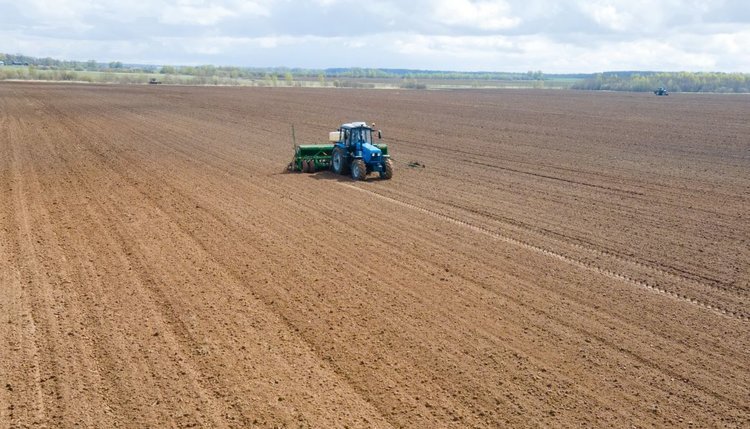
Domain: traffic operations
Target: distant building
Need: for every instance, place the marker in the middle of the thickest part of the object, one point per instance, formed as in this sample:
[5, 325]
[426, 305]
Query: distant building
[2, 63]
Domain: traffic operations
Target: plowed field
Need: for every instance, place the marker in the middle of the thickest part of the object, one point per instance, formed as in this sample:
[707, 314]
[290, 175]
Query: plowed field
[563, 259]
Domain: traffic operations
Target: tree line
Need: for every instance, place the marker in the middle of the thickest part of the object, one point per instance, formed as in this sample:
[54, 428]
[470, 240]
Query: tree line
[673, 81]
[262, 73]
[117, 71]
[352, 72]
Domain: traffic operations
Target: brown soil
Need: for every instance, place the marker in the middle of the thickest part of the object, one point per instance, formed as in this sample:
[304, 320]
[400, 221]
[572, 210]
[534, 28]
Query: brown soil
[564, 259]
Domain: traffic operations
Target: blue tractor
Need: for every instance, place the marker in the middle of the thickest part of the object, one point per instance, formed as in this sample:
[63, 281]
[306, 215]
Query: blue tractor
[355, 152]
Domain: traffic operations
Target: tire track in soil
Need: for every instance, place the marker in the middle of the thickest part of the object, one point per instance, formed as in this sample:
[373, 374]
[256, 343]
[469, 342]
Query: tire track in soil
[614, 346]
[730, 295]
[41, 322]
[655, 175]
[640, 187]
[93, 212]
[565, 240]
[132, 167]
[105, 159]
[659, 266]
[17, 391]
[654, 287]
[86, 185]
[602, 340]
[88, 384]
[343, 374]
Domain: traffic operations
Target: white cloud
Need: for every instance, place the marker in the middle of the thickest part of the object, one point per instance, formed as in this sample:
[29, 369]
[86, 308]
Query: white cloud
[485, 15]
[84, 13]
[65, 13]
[457, 46]
[218, 44]
[640, 16]
[608, 16]
[209, 13]
[199, 15]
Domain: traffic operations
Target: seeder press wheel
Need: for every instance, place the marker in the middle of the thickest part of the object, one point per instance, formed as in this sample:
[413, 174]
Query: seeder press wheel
[308, 166]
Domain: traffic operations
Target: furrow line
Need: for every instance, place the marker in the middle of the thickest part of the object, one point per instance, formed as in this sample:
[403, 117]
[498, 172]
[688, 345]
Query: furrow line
[653, 287]
[571, 241]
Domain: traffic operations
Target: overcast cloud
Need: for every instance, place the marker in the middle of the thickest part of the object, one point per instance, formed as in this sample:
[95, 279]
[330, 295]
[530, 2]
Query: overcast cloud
[497, 35]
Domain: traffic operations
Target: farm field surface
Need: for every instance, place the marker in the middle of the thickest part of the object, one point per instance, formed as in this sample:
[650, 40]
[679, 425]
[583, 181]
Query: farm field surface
[563, 259]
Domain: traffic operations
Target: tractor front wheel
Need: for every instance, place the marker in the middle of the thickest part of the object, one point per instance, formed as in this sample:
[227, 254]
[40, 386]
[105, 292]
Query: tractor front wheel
[387, 172]
[359, 169]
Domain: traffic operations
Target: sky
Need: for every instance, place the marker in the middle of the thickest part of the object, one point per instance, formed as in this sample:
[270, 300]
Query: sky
[575, 36]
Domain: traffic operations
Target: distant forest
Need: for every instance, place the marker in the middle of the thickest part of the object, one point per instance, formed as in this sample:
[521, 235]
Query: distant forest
[674, 81]
[261, 72]
[32, 68]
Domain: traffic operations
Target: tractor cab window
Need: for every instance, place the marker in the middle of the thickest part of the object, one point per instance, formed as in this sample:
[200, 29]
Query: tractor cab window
[361, 135]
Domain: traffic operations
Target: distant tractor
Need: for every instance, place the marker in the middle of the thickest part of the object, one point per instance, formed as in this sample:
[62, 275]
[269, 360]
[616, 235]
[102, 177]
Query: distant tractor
[351, 150]
[154, 81]
[661, 91]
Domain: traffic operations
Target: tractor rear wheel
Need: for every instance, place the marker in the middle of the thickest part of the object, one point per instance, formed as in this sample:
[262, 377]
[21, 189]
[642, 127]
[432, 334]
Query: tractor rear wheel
[338, 161]
[387, 172]
[359, 169]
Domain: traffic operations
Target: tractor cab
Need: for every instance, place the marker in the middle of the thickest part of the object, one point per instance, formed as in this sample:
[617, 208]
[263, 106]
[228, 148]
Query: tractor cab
[356, 136]
[357, 133]
[357, 139]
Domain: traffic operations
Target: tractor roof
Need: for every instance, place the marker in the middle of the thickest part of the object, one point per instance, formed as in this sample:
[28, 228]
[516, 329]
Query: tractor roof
[354, 125]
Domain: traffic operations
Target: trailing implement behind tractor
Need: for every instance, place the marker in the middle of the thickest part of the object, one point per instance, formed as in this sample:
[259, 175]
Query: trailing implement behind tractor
[310, 158]
[350, 150]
